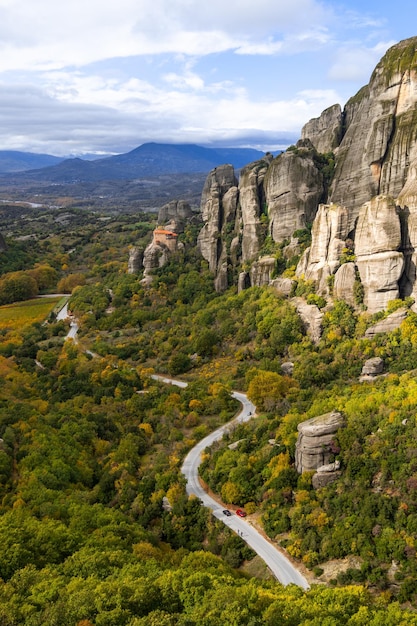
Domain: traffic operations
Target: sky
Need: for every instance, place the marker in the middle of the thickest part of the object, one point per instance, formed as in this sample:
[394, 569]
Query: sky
[105, 76]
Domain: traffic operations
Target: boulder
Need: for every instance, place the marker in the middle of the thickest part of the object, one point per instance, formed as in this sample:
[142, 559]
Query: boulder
[313, 448]
[321, 479]
[372, 367]
[283, 286]
[287, 368]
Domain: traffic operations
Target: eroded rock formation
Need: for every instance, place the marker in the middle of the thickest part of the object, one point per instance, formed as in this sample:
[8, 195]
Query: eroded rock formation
[373, 156]
[218, 208]
[253, 206]
[164, 243]
[313, 448]
[325, 132]
[178, 212]
[362, 200]
[377, 243]
[294, 186]
[135, 262]
[329, 234]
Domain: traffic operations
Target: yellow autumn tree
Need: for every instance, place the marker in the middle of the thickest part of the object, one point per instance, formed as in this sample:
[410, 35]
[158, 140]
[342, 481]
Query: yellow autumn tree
[268, 389]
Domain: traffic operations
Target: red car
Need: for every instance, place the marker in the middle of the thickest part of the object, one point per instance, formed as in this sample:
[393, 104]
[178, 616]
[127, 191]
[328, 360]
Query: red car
[241, 513]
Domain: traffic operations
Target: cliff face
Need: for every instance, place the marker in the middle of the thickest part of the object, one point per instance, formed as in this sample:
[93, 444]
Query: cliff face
[252, 205]
[377, 243]
[353, 175]
[325, 132]
[293, 186]
[373, 157]
[329, 233]
[274, 197]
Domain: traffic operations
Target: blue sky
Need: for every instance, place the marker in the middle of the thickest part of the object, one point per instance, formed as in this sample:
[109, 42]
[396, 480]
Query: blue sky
[103, 77]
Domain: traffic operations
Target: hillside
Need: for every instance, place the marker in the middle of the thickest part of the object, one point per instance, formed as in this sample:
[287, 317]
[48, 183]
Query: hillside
[293, 284]
[147, 177]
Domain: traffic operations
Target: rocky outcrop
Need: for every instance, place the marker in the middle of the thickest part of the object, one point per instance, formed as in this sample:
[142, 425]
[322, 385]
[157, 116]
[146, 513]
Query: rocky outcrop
[407, 210]
[373, 156]
[368, 204]
[325, 132]
[218, 208]
[328, 239]
[135, 262]
[262, 271]
[379, 261]
[154, 256]
[294, 186]
[344, 283]
[388, 324]
[372, 368]
[177, 211]
[326, 474]
[287, 368]
[314, 443]
[243, 281]
[253, 206]
[311, 317]
[157, 253]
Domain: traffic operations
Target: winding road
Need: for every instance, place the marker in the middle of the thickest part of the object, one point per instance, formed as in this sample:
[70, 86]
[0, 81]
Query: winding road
[280, 566]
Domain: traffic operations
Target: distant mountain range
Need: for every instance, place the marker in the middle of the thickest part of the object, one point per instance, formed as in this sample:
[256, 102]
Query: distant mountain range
[148, 160]
[14, 161]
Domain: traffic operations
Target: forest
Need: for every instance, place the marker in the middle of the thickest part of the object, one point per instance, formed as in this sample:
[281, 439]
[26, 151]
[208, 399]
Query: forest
[91, 445]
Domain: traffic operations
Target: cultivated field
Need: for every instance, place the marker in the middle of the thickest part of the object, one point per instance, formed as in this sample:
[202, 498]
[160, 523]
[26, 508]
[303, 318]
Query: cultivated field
[20, 314]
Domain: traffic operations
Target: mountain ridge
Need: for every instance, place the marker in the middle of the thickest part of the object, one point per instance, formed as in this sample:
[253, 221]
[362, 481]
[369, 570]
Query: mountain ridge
[147, 160]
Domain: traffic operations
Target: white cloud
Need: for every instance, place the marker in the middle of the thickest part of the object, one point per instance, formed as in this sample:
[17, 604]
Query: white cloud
[102, 75]
[47, 34]
[76, 113]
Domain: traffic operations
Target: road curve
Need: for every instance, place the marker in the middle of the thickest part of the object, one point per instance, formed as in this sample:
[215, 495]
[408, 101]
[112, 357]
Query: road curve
[280, 566]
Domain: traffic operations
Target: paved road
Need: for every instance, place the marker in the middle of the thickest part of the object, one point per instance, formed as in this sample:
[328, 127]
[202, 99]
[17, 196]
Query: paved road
[74, 327]
[280, 566]
[63, 313]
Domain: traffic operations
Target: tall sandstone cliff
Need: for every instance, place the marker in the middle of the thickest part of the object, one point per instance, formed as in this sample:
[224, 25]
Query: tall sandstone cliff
[368, 207]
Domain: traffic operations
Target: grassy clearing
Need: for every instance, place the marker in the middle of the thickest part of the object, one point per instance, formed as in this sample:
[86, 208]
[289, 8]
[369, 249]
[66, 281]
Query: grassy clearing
[20, 314]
